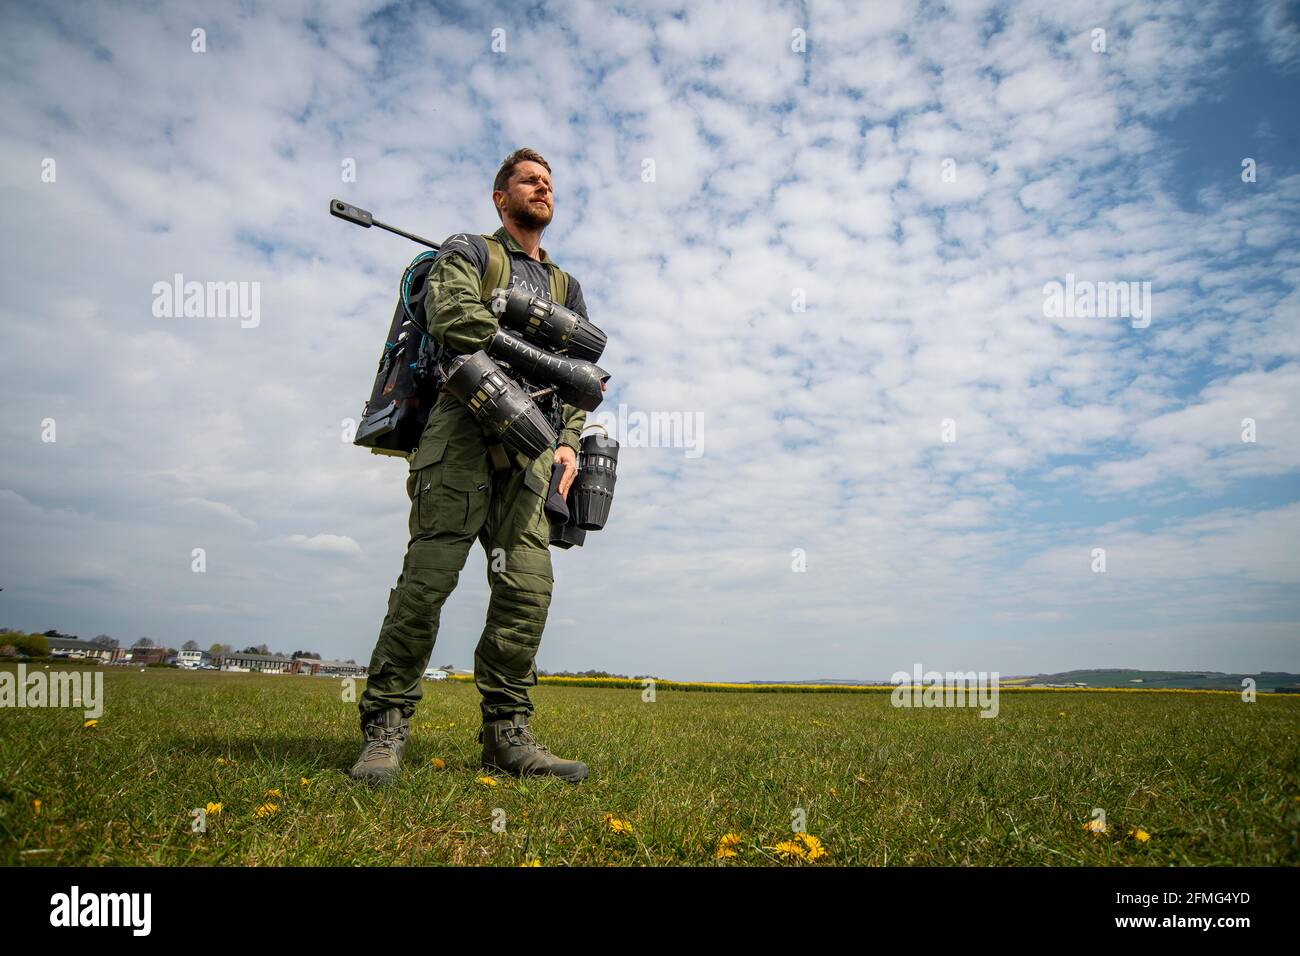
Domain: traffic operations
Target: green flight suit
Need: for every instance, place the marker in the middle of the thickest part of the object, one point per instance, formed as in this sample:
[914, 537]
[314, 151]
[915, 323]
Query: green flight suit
[457, 497]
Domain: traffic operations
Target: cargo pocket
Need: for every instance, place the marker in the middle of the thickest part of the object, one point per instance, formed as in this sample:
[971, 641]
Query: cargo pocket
[464, 500]
[531, 526]
[449, 501]
[535, 483]
[430, 451]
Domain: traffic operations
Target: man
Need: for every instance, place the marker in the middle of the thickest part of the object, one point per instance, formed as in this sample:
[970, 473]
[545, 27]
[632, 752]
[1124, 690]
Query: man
[460, 492]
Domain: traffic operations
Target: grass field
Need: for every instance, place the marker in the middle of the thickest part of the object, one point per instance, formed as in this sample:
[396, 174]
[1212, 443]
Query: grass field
[1211, 780]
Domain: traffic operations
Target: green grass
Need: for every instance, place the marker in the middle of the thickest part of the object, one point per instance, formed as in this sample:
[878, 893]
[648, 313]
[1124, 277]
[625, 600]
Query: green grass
[1211, 779]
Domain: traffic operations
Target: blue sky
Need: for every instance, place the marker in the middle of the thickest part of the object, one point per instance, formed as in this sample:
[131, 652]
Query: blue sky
[780, 174]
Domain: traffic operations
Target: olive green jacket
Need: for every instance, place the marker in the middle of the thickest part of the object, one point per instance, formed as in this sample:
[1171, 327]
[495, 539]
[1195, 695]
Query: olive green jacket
[460, 320]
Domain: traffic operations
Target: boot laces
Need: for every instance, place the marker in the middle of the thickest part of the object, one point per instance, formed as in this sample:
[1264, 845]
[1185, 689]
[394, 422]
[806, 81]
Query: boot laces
[527, 738]
[385, 743]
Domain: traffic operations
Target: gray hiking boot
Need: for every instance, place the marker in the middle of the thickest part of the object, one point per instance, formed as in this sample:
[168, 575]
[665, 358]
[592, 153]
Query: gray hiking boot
[509, 746]
[385, 734]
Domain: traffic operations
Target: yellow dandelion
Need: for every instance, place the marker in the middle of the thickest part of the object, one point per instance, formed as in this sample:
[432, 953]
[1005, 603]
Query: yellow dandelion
[274, 793]
[814, 846]
[727, 844]
[266, 809]
[834, 792]
[1095, 826]
[91, 723]
[533, 862]
[488, 781]
[859, 780]
[617, 825]
[222, 762]
[1061, 714]
[304, 782]
[213, 809]
[788, 849]
[1139, 834]
[438, 763]
[36, 806]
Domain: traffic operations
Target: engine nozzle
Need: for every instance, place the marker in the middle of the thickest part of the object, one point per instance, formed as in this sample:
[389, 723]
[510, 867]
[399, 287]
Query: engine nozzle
[502, 408]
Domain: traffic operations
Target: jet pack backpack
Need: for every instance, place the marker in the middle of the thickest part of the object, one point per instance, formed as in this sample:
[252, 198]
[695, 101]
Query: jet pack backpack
[407, 382]
[410, 373]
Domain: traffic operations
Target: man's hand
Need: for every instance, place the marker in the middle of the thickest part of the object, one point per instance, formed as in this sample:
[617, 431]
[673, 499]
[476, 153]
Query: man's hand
[564, 455]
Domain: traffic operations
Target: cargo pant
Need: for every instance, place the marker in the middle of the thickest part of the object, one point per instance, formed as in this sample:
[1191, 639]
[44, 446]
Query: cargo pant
[456, 497]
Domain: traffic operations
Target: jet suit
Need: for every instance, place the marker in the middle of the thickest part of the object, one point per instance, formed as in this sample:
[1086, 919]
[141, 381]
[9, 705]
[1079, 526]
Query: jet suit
[459, 493]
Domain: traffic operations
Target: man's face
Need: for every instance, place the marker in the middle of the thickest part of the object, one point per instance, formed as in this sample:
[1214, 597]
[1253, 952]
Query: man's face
[528, 197]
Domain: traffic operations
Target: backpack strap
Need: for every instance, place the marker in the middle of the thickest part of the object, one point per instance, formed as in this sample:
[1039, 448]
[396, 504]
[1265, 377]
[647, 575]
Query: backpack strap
[559, 284]
[497, 274]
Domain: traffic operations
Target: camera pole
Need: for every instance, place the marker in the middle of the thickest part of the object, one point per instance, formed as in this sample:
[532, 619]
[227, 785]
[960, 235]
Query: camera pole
[362, 218]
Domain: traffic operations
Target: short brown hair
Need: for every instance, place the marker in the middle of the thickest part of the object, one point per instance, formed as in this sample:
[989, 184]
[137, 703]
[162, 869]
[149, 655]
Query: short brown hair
[508, 165]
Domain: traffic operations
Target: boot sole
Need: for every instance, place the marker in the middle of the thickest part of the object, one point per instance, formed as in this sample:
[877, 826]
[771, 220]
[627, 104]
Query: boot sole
[577, 777]
[379, 779]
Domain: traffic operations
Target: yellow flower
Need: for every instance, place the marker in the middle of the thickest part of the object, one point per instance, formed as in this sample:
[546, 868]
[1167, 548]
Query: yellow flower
[834, 792]
[213, 809]
[438, 763]
[727, 846]
[1061, 714]
[36, 806]
[266, 809]
[859, 780]
[1139, 834]
[1095, 826]
[488, 781]
[533, 862]
[91, 723]
[222, 762]
[274, 793]
[790, 848]
[304, 782]
[814, 845]
[617, 825]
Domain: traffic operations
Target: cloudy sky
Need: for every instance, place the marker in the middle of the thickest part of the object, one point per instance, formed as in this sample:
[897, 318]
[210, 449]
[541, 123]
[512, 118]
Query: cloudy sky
[821, 233]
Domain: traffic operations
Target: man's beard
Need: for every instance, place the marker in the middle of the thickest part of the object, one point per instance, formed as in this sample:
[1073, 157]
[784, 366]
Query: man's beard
[526, 216]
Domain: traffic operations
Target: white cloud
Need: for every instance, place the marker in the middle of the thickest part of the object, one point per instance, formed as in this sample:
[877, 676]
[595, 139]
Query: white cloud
[320, 543]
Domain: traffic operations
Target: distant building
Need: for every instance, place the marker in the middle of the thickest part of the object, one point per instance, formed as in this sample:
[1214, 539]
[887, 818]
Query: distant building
[315, 668]
[435, 673]
[76, 650]
[193, 658]
[260, 663]
[151, 655]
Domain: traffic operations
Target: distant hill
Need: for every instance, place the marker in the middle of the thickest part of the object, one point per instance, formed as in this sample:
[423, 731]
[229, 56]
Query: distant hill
[1265, 681]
